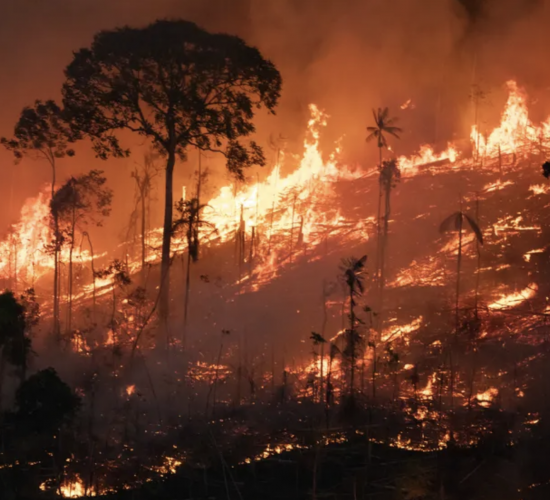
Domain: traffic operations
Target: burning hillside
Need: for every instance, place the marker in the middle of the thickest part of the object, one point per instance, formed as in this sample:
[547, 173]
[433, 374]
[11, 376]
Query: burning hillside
[454, 340]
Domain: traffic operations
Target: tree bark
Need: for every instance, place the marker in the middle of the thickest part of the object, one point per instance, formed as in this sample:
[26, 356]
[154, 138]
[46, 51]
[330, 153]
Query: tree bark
[56, 326]
[187, 291]
[70, 314]
[164, 292]
[143, 236]
[383, 248]
[378, 226]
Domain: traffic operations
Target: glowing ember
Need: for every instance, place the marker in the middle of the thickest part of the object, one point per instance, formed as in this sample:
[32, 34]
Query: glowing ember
[487, 397]
[496, 186]
[527, 256]
[74, 489]
[538, 189]
[401, 331]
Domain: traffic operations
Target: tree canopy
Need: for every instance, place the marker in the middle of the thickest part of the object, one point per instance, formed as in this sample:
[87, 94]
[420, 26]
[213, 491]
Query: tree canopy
[174, 83]
[41, 131]
[177, 85]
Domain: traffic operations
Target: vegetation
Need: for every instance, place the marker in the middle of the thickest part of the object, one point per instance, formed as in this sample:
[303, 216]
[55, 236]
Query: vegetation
[80, 201]
[43, 133]
[416, 400]
[178, 86]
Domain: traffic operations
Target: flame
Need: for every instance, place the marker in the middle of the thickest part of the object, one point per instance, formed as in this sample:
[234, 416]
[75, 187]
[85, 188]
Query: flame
[426, 155]
[401, 331]
[538, 189]
[74, 489]
[514, 130]
[130, 389]
[514, 299]
[487, 397]
[527, 256]
[496, 186]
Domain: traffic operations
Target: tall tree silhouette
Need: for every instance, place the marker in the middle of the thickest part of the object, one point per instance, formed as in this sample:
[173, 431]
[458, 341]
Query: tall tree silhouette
[389, 177]
[177, 85]
[42, 133]
[383, 126]
[455, 223]
[353, 273]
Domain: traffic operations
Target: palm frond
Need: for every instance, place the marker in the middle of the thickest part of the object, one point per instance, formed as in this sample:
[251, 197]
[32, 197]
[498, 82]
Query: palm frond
[451, 223]
[395, 131]
[475, 228]
[317, 338]
[373, 133]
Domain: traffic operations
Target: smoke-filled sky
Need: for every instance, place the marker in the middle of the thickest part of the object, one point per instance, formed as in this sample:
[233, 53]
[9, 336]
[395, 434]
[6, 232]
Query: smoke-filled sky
[347, 56]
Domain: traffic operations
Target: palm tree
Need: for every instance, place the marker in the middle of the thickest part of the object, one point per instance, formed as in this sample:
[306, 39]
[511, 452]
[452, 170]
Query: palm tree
[353, 271]
[383, 126]
[389, 176]
[455, 223]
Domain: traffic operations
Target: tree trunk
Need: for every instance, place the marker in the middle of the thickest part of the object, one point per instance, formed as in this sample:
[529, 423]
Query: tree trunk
[143, 236]
[93, 274]
[164, 292]
[458, 265]
[187, 291]
[70, 314]
[378, 228]
[457, 315]
[2, 376]
[352, 341]
[478, 270]
[383, 248]
[56, 326]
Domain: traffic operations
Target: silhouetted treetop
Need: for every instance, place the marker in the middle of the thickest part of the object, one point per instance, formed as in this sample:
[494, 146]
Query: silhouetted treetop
[174, 83]
[42, 130]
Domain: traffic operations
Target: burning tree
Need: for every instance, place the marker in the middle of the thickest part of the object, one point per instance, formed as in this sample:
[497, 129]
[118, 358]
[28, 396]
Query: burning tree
[43, 133]
[177, 85]
[78, 202]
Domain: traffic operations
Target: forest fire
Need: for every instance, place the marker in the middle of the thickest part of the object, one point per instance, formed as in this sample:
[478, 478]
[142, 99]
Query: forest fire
[297, 314]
